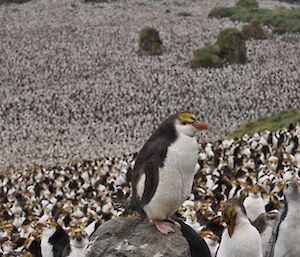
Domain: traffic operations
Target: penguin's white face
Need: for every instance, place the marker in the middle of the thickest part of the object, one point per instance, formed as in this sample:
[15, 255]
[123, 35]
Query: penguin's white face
[185, 123]
[78, 238]
[292, 190]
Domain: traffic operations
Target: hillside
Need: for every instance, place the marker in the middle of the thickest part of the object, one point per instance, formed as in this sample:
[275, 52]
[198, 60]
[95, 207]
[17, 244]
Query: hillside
[74, 86]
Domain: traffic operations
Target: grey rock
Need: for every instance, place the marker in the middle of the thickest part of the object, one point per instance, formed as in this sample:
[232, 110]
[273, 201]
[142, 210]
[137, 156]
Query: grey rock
[134, 237]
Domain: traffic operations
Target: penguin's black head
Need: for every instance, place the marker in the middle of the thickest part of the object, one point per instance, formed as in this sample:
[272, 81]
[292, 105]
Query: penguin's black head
[186, 123]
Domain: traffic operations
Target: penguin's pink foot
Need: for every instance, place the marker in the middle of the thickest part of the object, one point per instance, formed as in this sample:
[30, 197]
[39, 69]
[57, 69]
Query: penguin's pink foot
[163, 226]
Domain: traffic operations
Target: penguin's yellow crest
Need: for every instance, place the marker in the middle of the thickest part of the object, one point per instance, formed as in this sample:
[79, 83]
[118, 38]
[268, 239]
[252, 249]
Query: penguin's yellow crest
[186, 116]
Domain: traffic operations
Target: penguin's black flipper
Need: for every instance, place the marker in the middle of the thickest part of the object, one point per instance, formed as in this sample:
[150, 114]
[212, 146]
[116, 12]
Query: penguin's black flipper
[59, 240]
[148, 163]
[35, 248]
[260, 223]
[198, 246]
[149, 160]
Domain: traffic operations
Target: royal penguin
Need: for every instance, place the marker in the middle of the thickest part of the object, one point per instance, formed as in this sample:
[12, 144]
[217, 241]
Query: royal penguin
[286, 242]
[254, 203]
[240, 238]
[54, 239]
[77, 244]
[164, 169]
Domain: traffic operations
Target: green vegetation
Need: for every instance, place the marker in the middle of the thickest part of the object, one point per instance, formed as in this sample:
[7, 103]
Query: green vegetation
[276, 121]
[281, 19]
[184, 14]
[150, 42]
[221, 12]
[208, 56]
[248, 4]
[254, 30]
[230, 47]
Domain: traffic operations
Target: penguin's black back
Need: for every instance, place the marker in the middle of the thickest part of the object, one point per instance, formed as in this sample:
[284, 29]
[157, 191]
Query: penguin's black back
[150, 159]
[197, 244]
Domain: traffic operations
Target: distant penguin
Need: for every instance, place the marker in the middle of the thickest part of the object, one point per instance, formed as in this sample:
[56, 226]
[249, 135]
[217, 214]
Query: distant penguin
[54, 239]
[211, 240]
[77, 244]
[254, 204]
[240, 238]
[164, 170]
[288, 231]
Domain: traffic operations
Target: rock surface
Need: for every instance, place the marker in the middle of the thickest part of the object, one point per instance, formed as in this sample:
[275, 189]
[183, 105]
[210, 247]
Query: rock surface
[134, 237]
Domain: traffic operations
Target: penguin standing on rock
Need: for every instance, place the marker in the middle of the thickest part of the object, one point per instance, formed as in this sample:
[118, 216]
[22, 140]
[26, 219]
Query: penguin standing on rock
[164, 170]
[288, 230]
[240, 238]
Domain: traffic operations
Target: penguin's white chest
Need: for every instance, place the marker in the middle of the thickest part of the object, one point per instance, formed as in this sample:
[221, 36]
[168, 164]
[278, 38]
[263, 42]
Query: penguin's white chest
[254, 207]
[175, 178]
[245, 242]
[77, 252]
[46, 248]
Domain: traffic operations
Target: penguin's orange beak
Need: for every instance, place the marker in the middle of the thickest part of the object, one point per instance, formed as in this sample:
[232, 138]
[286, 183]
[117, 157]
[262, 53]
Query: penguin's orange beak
[230, 230]
[200, 125]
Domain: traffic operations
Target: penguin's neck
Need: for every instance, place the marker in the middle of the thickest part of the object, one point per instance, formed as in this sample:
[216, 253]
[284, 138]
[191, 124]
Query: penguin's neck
[186, 148]
[241, 219]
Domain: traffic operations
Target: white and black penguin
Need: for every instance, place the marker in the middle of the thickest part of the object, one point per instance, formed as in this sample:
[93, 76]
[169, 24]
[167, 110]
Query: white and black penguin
[54, 239]
[77, 244]
[254, 204]
[240, 238]
[286, 241]
[164, 169]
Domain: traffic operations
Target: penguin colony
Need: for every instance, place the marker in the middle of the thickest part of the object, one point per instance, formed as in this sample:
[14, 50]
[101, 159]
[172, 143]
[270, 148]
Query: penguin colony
[46, 209]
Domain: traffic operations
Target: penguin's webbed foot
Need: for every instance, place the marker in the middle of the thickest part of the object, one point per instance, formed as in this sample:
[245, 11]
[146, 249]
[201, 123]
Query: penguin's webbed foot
[163, 226]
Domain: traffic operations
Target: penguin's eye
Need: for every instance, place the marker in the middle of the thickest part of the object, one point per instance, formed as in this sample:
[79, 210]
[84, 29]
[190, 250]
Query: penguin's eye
[183, 123]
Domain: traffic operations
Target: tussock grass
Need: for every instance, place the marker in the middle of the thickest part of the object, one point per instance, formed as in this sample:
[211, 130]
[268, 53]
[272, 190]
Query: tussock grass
[281, 20]
[150, 42]
[230, 48]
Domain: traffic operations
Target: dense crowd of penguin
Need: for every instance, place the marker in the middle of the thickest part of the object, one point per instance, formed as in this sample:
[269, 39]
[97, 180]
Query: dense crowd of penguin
[52, 211]
[76, 86]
